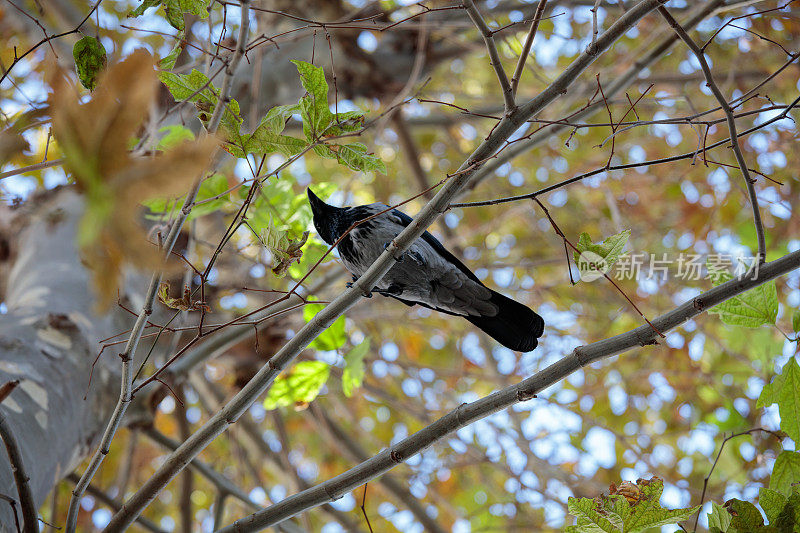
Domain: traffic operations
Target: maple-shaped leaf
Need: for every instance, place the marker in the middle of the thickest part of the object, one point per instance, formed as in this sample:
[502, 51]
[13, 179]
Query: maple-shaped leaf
[786, 472]
[628, 509]
[752, 308]
[94, 139]
[785, 391]
[283, 249]
[594, 260]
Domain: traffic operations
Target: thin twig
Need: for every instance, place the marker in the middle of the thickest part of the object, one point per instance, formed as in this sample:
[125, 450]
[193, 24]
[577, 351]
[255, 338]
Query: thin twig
[716, 460]
[47, 40]
[630, 76]
[226, 416]
[526, 48]
[494, 55]
[31, 168]
[626, 166]
[605, 275]
[525, 390]
[364, 507]
[30, 521]
[726, 108]
[138, 328]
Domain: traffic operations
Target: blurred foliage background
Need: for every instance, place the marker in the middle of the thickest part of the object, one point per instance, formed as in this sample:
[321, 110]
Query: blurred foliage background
[657, 411]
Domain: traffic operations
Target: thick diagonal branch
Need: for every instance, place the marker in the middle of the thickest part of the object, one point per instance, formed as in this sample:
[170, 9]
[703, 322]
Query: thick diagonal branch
[126, 386]
[436, 206]
[525, 390]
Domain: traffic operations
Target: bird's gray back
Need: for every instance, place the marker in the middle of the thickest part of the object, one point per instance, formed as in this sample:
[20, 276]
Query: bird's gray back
[422, 275]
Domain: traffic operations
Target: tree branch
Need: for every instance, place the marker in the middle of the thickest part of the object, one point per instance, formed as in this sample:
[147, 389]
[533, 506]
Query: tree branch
[354, 452]
[526, 48]
[126, 386]
[726, 108]
[30, 521]
[623, 81]
[32, 168]
[105, 499]
[525, 390]
[262, 380]
[671, 159]
[494, 56]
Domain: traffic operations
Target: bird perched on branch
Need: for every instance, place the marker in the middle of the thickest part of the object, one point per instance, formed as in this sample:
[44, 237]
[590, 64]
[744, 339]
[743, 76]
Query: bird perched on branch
[426, 274]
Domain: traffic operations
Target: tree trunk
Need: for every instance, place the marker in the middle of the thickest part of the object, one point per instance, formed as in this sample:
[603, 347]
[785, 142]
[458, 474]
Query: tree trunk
[48, 341]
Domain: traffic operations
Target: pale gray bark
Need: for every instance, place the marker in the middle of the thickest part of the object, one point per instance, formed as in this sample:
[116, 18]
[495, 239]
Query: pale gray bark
[48, 340]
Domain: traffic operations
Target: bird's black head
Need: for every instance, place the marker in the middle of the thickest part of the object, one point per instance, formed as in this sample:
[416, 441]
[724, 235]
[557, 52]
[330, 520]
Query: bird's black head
[327, 218]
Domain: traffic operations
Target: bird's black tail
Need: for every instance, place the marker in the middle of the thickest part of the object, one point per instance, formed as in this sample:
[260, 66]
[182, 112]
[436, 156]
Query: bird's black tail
[515, 326]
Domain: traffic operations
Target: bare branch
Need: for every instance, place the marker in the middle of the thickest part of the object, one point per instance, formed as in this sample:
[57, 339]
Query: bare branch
[31, 168]
[726, 108]
[30, 521]
[263, 379]
[671, 159]
[138, 328]
[627, 78]
[525, 390]
[494, 55]
[526, 48]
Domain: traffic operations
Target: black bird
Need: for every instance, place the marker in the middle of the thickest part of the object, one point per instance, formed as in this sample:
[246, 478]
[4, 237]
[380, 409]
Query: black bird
[427, 274]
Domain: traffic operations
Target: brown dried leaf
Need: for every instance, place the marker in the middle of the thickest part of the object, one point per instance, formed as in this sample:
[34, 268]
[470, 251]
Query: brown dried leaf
[94, 138]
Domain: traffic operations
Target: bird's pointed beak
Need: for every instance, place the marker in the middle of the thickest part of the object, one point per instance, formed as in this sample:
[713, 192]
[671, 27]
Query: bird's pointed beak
[317, 205]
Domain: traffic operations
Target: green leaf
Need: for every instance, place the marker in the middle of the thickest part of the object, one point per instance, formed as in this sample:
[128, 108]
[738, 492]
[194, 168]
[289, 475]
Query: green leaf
[299, 386]
[796, 320]
[592, 518]
[174, 10]
[616, 514]
[168, 61]
[355, 156]
[786, 472]
[354, 368]
[332, 338]
[719, 518]
[789, 517]
[773, 503]
[284, 250]
[214, 186]
[277, 116]
[144, 6]
[176, 134]
[785, 391]
[314, 105]
[745, 517]
[348, 122]
[267, 138]
[262, 141]
[196, 87]
[90, 59]
[751, 309]
[594, 260]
